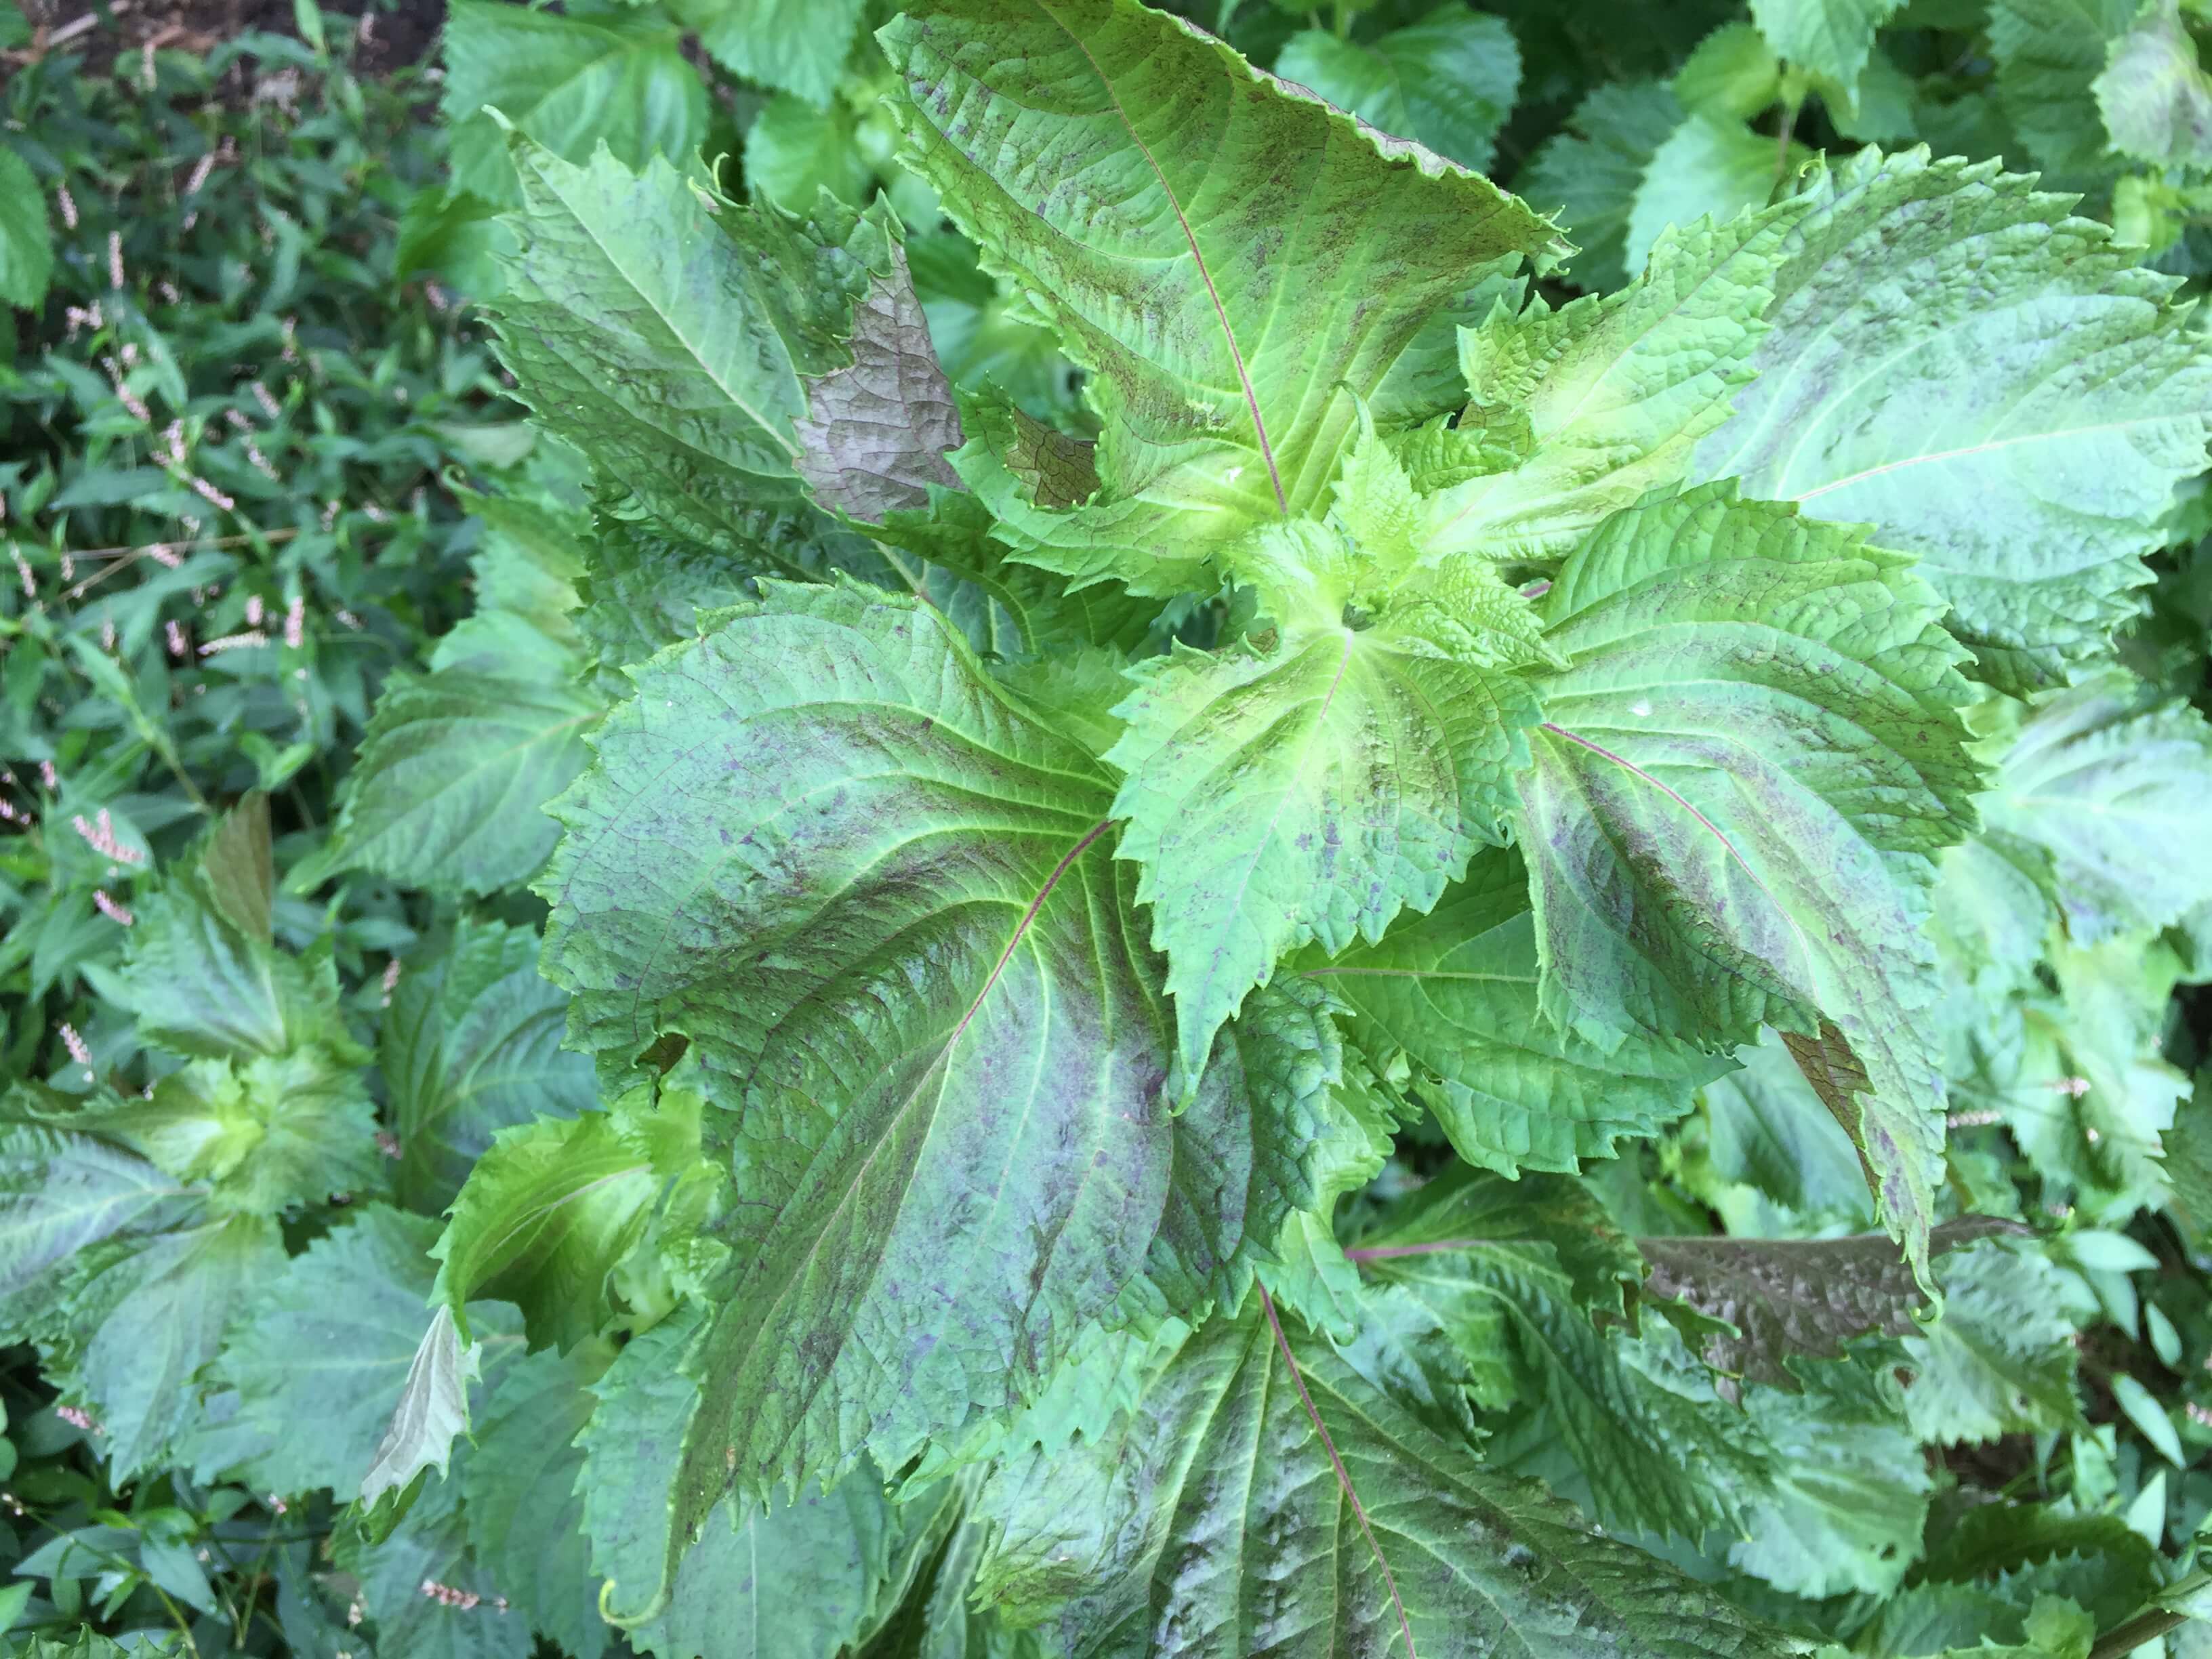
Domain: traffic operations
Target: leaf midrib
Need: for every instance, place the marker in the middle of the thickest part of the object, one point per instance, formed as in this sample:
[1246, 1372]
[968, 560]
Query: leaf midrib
[1197, 257]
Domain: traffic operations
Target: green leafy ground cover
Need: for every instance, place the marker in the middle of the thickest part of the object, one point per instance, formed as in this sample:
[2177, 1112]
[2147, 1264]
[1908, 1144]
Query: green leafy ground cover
[851, 830]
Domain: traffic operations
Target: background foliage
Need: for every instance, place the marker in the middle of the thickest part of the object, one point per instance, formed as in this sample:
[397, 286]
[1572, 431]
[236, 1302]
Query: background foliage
[307, 623]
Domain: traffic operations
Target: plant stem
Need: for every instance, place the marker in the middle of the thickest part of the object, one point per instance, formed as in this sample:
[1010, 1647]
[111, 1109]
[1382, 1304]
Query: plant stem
[2151, 1623]
[2146, 1627]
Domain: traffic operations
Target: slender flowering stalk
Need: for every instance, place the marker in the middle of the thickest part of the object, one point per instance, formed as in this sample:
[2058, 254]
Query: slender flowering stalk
[211, 493]
[100, 835]
[78, 1049]
[390, 980]
[67, 203]
[177, 646]
[108, 907]
[115, 258]
[48, 777]
[465, 1601]
[295, 622]
[233, 641]
[253, 609]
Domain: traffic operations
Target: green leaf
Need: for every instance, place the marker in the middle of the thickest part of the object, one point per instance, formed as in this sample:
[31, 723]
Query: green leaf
[27, 253]
[2155, 95]
[633, 1448]
[523, 1513]
[1846, 1496]
[1977, 1621]
[551, 1207]
[447, 791]
[1732, 75]
[2149, 1418]
[1456, 993]
[167, 1309]
[673, 337]
[2076, 1073]
[871, 890]
[526, 569]
[63, 1193]
[794, 149]
[472, 1045]
[1767, 1135]
[1708, 168]
[434, 1400]
[570, 83]
[647, 589]
[1229, 378]
[1594, 170]
[2001, 1360]
[1791, 1297]
[1521, 1271]
[982, 338]
[202, 973]
[796, 1576]
[426, 1594]
[268, 1136]
[1607, 397]
[1829, 37]
[324, 1349]
[1305, 794]
[797, 46]
[1747, 762]
[1447, 82]
[2112, 786]
[1321, 1508]
[1352, 1145]
[1993, 908]
[2049, 54]
[2029, 469]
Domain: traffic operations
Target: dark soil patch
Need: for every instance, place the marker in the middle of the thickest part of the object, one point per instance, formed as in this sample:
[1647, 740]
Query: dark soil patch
[398, 33]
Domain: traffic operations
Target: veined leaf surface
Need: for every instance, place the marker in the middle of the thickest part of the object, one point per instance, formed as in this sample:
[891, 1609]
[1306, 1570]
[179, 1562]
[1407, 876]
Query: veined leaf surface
[878, 897]
[1743, 773]
[1192, 230]
[1954, 360]
[1330, 1522]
